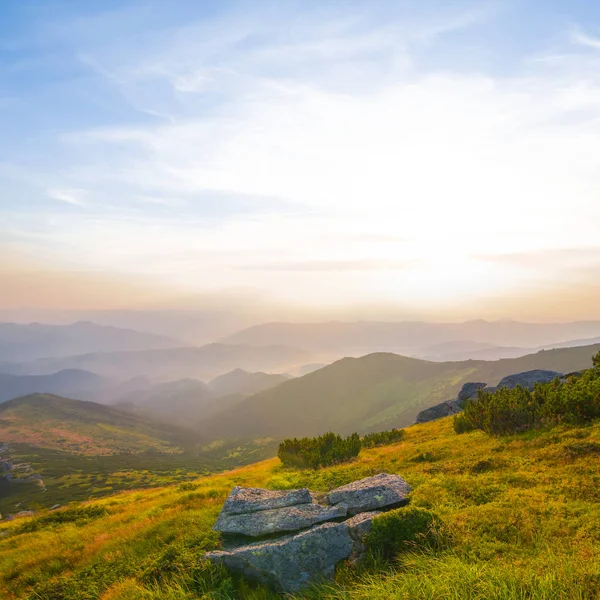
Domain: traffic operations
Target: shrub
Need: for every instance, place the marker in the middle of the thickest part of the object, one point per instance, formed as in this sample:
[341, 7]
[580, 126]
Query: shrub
[331, 448]
[403, 529]
[462, 424]
[507, 411]
[327, 449]
[382, 438]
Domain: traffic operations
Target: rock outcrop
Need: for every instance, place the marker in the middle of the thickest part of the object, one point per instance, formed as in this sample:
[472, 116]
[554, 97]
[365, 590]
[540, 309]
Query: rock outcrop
[310, 549]
[528, 379]
[277, 520]
[370, 493]
[448, 407]
[247, 500]
[292, 562]
[469, 391]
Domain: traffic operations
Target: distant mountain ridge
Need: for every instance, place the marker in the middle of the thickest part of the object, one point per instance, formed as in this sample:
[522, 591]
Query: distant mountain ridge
[378, 391]
[74, 383]
[20, 342]
[203, 362]
[416, 338]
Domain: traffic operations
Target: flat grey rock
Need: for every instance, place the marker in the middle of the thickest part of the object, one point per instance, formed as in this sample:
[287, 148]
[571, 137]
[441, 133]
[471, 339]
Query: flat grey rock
[528, 379]
[248, 500]
[289, 518]
[469, 390]
[371, 493]
[292, 562]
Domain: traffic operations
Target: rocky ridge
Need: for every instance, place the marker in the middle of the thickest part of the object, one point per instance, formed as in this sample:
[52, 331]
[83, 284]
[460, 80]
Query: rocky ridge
[318, 534]
[469, 390]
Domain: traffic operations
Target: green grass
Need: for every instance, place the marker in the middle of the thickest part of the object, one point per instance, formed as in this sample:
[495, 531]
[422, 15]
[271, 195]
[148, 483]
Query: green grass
[519, 517]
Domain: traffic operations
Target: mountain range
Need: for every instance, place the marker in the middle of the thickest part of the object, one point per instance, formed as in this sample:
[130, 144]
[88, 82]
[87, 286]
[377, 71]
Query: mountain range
[375, 392]
[204, 362]
[27, 342]
[434, 341]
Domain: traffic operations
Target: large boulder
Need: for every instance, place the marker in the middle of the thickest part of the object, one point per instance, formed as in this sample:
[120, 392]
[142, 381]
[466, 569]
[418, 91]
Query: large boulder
[266, 522]
[469, 390]
[528, 379]
[247, 500]
[448, 407]
[292, 562]
[371, 493]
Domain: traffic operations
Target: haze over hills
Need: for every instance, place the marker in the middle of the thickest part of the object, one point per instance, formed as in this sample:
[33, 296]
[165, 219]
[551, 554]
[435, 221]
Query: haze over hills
[72, 383]
[416, 338]
[204, 362]
[26, 342]
[378, 391]
[75, 426]
[189, 401]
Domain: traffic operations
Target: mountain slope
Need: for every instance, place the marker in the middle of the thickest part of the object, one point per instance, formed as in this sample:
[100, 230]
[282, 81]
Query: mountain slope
[239, 381]
[520, 518]
[80, 427]
[73, 383]
[20, 342]
[203, 362]
[375, 392]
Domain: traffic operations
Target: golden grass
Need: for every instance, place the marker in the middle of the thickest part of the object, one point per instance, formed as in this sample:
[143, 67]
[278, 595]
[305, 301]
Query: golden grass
[521, 514]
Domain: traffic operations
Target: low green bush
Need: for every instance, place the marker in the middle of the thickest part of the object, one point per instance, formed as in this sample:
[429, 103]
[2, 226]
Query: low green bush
[382, 438]
[403, 529]
[331, 448]
[327, 449]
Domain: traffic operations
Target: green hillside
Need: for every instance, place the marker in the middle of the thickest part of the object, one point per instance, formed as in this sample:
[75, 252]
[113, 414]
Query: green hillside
[375, 392]
[64, 450]
[56, 423]
[520, 520]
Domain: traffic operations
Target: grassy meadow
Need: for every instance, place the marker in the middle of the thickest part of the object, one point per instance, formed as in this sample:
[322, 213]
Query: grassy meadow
[520, 519]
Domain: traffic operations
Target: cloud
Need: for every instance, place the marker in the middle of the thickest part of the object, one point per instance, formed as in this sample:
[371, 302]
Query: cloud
[326, 157]
[583, 39]
[76, 197]
[333, 266]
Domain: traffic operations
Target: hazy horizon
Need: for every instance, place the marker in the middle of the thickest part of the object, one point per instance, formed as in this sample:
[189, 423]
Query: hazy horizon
[302, 161]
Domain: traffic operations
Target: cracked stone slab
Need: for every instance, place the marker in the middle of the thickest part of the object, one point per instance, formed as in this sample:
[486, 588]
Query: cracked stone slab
[371, 493]
[248, 500]
[292, 562]
[289, 518]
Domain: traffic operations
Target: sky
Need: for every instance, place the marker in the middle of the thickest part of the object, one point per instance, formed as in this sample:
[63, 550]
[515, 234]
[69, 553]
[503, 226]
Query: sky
[401, 159]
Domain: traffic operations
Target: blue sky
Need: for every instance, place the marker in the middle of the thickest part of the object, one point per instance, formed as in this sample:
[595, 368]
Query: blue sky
[437, 157]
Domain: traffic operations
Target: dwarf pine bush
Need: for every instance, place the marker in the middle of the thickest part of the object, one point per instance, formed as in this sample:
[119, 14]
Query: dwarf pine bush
[327, 449]
[382, 438]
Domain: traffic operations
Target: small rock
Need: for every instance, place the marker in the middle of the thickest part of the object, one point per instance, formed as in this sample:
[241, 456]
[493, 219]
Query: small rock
[371, 493]
[248, 500]
[289, 518]
[470, 389]
[292, 562]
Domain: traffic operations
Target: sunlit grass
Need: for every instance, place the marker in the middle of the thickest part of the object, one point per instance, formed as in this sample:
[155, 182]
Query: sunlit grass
[521, 513]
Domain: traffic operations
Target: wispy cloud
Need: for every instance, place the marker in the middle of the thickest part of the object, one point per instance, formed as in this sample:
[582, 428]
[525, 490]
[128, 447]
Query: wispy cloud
[76, 197]
[319, 151]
